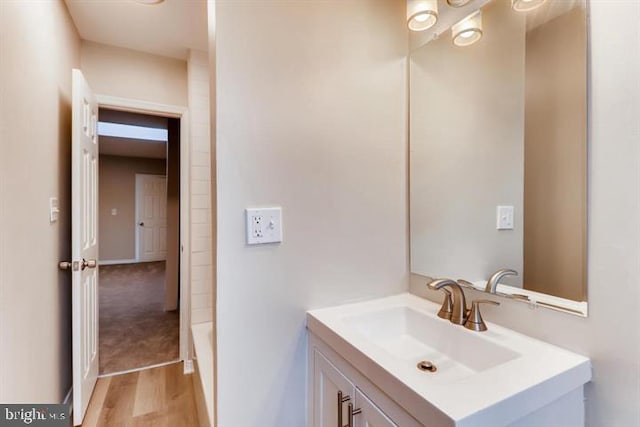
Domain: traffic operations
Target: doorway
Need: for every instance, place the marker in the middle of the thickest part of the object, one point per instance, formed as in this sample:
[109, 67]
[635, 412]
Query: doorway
[139, 229]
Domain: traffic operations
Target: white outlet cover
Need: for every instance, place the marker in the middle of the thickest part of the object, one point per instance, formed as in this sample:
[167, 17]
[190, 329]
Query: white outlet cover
[264, 225]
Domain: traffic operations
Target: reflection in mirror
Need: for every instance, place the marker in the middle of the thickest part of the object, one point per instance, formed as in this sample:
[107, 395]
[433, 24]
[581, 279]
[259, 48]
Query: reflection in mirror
[498, 151]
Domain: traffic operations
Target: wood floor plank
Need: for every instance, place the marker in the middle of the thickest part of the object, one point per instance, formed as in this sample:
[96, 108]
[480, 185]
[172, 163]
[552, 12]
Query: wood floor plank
[97, 402]
[150, 391]
[158, 397]
[118, 404]
[181, 402]
[154, 419]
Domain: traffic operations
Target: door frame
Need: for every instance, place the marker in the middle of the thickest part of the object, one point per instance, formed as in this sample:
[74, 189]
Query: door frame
[137, 208]
[182, 113]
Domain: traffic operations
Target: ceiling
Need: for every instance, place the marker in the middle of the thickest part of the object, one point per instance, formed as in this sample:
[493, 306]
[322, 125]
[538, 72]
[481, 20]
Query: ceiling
[129, 147]
[169, 28]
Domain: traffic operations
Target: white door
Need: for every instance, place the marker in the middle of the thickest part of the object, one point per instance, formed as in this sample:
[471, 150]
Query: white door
[369, 415]
[329, 383]
[84, 244]
[151, 217]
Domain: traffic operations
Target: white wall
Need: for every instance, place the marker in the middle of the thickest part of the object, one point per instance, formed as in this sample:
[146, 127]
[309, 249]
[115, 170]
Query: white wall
[311, 116]
[201, 256]
[610, 335]
[467, 150]
[38, 48]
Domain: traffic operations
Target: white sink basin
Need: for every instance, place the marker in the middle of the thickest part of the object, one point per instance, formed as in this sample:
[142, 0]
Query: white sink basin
[482, 378]
[412, 336]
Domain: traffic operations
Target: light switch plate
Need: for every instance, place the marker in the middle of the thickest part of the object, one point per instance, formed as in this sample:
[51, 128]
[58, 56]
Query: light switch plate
[264, 225]
[54, 210]
[504, 218]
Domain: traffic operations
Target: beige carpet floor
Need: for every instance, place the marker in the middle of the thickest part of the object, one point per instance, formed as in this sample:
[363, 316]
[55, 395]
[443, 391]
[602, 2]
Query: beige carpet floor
[135, 331]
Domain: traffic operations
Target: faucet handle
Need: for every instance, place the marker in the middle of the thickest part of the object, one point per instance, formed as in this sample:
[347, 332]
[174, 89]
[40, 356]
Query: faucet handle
[447, 305]
[474, 321]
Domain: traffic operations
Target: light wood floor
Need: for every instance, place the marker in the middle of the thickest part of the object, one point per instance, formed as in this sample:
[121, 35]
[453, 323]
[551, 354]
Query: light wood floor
[158, 397]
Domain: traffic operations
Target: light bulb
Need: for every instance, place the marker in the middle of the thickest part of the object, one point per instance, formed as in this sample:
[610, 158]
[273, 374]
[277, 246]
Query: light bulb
[421, 14]
[468, 31]
[457, 3]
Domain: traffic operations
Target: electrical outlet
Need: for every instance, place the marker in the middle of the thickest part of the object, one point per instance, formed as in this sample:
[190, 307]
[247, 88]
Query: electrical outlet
[256, 230]
[264, 225]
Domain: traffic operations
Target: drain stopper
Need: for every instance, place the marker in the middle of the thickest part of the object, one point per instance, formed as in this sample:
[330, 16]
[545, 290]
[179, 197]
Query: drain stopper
[427, 366]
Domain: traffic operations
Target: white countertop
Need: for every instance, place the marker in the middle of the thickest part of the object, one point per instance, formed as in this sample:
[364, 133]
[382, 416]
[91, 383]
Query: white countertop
[530, 375]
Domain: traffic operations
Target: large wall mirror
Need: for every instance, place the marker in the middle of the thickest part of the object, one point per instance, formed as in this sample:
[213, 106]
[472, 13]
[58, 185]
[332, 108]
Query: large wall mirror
[498, 151]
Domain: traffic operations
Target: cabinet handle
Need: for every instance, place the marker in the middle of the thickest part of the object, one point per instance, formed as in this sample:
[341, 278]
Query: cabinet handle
[341, 400]
[352, 413]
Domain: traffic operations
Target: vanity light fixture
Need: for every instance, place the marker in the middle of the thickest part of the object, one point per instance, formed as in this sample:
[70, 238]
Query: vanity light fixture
[421, 14]
[468, 31]
[526, 5]
[457, 3]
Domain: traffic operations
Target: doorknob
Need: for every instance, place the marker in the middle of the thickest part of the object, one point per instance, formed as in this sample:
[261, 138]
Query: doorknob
[141, 224]
[92, 263]
[77, 265]
[65, 265]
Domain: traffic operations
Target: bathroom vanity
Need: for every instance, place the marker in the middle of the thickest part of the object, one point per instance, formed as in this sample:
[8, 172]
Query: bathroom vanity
[394, 362]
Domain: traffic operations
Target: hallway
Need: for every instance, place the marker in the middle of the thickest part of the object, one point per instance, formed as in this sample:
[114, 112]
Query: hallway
[135, 331]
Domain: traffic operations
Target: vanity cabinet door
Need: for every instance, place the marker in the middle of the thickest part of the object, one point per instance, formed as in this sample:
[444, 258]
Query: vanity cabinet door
[370, 415]
[328, 382]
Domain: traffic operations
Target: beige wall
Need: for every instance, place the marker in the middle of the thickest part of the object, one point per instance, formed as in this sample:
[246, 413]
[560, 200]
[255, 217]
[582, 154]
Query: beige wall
[610, 335]
[38, 48]
[555, 185]
[130, 74]
[311, 116]
[117, 188]
[467, 148]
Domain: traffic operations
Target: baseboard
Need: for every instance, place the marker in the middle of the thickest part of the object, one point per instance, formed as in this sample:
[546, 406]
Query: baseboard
[188, 367]
[117, 261]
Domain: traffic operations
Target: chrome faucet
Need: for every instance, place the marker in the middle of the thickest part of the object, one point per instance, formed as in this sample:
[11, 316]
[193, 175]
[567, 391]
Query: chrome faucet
[495, 278]
[459, 310]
